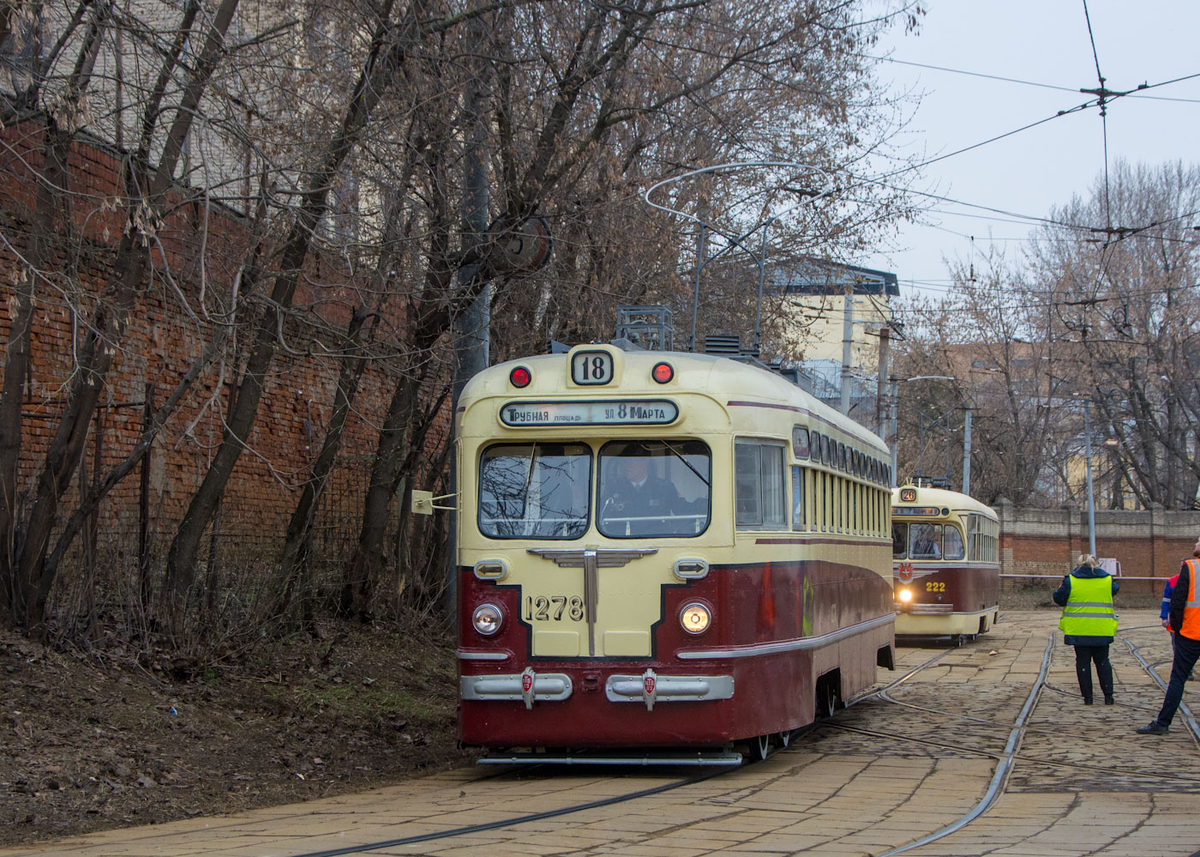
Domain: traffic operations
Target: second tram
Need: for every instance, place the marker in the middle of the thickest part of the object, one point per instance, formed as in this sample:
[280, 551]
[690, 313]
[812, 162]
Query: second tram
[946, 564]
[662, 550]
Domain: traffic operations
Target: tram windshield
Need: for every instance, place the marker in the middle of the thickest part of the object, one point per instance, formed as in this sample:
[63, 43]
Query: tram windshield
[535, 490]
[653, 488]
[926, 541]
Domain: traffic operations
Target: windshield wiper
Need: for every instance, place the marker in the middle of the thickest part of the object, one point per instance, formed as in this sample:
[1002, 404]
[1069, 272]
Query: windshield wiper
[676, 453]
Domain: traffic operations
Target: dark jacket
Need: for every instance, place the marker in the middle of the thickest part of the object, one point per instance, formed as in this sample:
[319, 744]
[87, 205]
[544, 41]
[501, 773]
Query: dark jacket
[1179, 598]
[1063, 593]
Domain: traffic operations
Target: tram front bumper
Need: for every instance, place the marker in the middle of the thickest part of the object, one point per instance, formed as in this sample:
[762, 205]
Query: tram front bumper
[923, 609]
[648, 688]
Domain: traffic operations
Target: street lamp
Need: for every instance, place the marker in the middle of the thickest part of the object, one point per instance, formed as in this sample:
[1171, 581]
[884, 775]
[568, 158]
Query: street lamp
[1112, 445]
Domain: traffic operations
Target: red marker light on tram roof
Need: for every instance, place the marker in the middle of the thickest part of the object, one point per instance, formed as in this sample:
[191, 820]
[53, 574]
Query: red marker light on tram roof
[520, 377]
[662, 372]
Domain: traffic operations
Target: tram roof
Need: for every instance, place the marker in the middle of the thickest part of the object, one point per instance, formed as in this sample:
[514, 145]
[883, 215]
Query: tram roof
[943, 497]
[724, 379]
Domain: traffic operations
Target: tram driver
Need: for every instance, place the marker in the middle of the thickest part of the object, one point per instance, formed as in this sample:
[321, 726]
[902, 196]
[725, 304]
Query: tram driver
[925, 542]
[639, 502]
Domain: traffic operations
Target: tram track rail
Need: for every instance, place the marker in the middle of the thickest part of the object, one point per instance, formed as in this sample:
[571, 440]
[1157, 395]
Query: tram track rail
[1184, 712]
[1009, 756]
[989, 731]
[465, 830]
[1004, 766]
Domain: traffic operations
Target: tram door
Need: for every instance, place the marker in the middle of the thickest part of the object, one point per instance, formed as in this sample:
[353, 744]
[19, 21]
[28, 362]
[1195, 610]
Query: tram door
[584, 596]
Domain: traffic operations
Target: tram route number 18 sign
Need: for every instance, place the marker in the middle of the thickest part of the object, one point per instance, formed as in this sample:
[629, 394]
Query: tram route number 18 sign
[625, 412]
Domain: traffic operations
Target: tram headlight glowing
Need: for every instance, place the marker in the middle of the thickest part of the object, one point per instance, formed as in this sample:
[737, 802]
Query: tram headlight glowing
[695, 618]
[905, 595]
[487, 619]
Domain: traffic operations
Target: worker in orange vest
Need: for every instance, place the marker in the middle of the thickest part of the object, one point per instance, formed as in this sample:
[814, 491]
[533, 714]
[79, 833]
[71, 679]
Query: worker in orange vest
[1184, 622]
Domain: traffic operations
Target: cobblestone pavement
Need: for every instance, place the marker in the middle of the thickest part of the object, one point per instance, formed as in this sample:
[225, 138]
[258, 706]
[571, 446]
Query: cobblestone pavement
[883, 774]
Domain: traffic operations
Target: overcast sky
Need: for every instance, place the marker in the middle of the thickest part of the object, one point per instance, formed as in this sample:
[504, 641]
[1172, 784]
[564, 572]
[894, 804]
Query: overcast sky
[1043, 52]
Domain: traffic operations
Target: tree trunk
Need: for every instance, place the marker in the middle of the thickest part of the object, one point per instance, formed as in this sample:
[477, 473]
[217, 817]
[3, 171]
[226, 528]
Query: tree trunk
[379, 71]
[32, 578]
[294, 564]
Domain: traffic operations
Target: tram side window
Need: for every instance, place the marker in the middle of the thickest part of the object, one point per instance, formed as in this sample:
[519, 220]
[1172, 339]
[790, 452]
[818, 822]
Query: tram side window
[799, 519]
[535, 490]
[758, 477]
[821, 515]
[983, 538]
[653, 488]
[899, 541]
[952, 543]
[800, 442]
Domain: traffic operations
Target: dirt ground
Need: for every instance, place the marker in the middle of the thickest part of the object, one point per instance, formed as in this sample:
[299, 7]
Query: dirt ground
[94, 742]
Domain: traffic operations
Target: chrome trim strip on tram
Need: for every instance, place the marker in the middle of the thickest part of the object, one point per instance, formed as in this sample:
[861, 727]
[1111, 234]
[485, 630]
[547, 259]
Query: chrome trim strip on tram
[907, 609]
[796, 645]
[464, 655]
[527, 686]
[649, 688]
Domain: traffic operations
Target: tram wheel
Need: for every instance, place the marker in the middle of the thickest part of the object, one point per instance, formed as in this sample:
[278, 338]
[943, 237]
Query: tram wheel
[829, 698]
[784, 738]
[760, 747]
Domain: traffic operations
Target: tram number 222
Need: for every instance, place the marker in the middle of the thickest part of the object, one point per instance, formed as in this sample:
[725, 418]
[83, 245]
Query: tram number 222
[935, 586]
[553, 608]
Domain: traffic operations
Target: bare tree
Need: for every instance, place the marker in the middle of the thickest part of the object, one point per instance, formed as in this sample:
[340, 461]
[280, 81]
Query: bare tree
[148, 191]
[1123, 270]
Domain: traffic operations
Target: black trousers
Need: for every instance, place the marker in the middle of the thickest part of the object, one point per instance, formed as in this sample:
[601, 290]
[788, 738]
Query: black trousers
[1084, 656]
[1187, 652]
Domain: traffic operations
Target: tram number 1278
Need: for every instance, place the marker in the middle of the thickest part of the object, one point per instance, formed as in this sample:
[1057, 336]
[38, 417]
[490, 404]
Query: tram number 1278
[553, 608]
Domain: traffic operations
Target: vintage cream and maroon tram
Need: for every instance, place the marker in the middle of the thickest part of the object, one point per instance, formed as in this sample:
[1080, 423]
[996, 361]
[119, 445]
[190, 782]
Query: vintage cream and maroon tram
[945, 555]
[748, 589]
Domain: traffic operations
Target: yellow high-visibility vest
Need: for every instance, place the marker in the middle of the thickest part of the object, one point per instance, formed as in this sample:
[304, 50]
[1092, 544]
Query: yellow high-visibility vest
[1089, 611]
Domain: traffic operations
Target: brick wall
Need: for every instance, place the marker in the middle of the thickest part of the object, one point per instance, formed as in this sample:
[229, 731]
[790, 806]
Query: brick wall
[195, 246]
[1048, 541]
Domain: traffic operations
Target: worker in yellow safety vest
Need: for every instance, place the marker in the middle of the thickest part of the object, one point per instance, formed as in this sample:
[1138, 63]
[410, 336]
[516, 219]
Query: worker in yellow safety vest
[1089, 623]
[1183, 618]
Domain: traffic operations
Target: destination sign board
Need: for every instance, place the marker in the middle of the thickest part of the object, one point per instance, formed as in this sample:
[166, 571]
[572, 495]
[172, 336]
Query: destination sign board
[922, 511]
[654, 412]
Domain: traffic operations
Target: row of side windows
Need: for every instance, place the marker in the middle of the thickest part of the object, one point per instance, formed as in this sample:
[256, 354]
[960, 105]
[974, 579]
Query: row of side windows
[821, 502]
[823, 449]
[983, 538]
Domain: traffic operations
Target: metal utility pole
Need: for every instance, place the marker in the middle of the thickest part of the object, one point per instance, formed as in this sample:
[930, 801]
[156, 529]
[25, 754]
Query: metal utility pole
[470, 330]
[966, 484]
[847, 345]
[1087, 440]
[891, 436]
[885, 354]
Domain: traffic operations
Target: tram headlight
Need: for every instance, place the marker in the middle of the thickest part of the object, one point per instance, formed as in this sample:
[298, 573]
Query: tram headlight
[695, 618]
[905, 595]
[487, 619]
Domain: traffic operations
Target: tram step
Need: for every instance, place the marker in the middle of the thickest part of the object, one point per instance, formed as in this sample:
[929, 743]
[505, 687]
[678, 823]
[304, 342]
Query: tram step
[714, 757]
